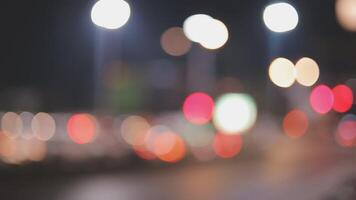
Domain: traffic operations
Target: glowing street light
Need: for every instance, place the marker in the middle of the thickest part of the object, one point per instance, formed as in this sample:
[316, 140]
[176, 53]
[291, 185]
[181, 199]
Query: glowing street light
[110, 14]
[209, 32]
[195, 25]
[280, 17]
[216, 35]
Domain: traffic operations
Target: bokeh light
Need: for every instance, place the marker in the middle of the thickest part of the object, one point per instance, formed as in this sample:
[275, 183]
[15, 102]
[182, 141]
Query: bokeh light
[19, 150]
[321, 99]
[11, 124]
[343, 98]
[134, 130]
[12, 150]
[215, 36]
[163, 143]
[346, 14]
[82, 128]
[295, 123]
[209, 32]
[346, 131]
[235, 113]
[110, 14]
[176, 152]
[7, 147]
[227, 146]
[155, 135]
[194, 135]
[43, 126]
[195, 26]
[142, 152]
[174, 42]
[282, 72]
[280, 17]
[307, 71]
[198, 108]
[35, 150]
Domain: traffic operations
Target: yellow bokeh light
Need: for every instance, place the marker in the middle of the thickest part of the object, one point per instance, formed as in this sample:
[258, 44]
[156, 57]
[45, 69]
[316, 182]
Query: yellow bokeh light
[282, 72]
[346, 14]
[307, 71]
[174, 42]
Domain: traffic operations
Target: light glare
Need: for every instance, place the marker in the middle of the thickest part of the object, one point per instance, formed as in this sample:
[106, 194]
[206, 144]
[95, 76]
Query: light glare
[215, 36]
[209, 32]
[235, 113]
[280, 17]
[195, 26]
[110, 14]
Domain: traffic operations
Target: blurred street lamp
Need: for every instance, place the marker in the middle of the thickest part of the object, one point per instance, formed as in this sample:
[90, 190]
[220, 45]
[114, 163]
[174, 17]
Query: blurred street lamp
[110, 14]
[209, 32]
[280, 17]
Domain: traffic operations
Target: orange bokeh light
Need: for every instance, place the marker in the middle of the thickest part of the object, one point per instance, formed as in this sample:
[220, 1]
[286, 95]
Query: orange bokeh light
[142, 152]
[295, 123]
[227, 146]
[176, 152]
[81, 128]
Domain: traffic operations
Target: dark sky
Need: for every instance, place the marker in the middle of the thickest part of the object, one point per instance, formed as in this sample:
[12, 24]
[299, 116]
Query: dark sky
[50, 47]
